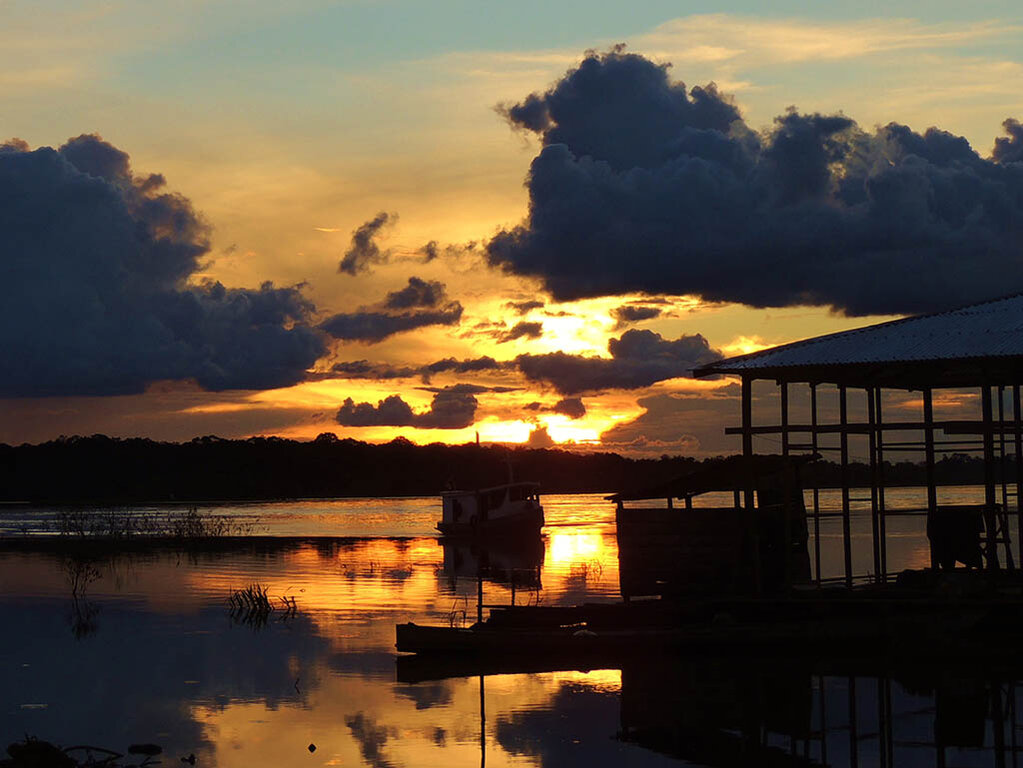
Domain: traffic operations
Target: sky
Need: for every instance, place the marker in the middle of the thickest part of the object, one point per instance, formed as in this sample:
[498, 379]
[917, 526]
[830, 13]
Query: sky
[527, 221]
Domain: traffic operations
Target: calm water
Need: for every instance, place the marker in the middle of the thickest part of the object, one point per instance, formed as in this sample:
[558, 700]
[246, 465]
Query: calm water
[142, 647]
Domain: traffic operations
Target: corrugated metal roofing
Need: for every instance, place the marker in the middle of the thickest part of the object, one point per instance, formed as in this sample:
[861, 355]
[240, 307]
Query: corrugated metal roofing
[992, 329]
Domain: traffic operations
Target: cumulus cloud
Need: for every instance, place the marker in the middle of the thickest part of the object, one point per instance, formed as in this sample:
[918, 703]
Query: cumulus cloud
[418, 293]
[95, 298]
[470, 365]
[451, 409]
[471, 389]
[373, 327]
[429, 252]
[632, 313]
[522, 307]
[364, 251]
[539, 437]
[644, 185]
[521, 330]
[638, 359]
[363, 369]
[419, 304]
[1010, 149]
[573, 407]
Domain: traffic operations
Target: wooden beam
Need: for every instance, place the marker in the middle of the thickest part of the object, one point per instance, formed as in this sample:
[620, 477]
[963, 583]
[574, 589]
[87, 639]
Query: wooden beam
[843, 410]
[882, 523]
[749, 503]
[786, 488]
[875, 527]
[949, 427]
[1017, 423]
[990, 519]
[816, 489]
[932, 492]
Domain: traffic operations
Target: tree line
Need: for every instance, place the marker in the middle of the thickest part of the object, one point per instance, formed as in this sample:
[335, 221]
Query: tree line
[104, 470]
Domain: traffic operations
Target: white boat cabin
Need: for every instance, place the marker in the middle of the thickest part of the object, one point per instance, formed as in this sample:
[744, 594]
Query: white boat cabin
[471, 507]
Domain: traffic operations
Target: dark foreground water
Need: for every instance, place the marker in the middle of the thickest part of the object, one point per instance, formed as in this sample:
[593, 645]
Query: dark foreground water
[141, 646]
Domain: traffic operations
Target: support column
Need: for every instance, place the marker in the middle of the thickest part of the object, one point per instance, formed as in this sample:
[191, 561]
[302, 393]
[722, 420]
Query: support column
[748, 499]
[816, 489]
[990, 519]
[843, 410]
[1017, 423]
[875, 528]
[786, 486]
[882, 523]
[932, 491]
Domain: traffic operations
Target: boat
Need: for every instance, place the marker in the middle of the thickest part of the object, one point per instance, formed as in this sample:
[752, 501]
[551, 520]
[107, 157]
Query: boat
[503, 511]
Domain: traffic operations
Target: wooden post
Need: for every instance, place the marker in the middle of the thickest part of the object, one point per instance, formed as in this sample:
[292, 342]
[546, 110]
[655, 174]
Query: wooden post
[854, 732]
[816, 489]
[479, 597]
[932, 491]
[786, 486]
[882, 531]
[749, 502]
[843, 411]
[1003, 482]
[1017, 423]
[875, 527]
[989, 480]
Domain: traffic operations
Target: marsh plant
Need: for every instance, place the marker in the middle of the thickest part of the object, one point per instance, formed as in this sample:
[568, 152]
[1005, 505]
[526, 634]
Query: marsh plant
[254, 606]
[191, 525]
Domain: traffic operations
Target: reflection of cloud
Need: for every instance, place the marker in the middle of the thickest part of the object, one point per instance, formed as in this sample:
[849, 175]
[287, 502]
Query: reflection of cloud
[371, 738]
[426, 695]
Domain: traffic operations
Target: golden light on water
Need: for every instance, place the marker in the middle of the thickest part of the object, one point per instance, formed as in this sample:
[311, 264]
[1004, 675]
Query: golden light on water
[565, 547]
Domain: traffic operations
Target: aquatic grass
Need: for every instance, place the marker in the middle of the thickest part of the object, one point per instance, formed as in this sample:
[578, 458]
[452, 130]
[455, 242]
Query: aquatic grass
[254, 598]
[253, 606]
[118, 524]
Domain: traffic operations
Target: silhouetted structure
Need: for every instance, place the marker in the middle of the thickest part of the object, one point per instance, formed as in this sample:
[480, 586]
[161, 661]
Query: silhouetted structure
[977, 347]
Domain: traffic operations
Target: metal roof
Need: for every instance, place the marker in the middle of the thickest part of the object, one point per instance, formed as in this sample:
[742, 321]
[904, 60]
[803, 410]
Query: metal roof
[977, 344]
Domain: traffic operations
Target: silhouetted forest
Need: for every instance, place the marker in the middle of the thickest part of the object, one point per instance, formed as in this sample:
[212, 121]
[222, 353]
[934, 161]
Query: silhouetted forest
[100, 469]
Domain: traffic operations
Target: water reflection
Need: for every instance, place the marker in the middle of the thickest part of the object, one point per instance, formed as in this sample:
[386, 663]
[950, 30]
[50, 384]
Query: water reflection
[153, 655]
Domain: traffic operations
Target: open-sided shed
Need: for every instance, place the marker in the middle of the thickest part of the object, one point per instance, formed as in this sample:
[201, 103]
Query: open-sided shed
[977, 347]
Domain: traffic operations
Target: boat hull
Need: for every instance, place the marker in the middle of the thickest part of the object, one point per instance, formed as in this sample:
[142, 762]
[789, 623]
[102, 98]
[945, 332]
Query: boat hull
[525, 524]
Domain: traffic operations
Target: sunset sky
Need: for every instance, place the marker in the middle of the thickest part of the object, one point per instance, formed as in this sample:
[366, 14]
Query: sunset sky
[527, 220]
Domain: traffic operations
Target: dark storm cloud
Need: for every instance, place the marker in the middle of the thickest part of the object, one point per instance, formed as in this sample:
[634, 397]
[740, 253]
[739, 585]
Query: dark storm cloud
[94, 298]
[372, 327]
[631, 313]
[470, 389]
[429, 252]
[419, 304]
[1010, 150]
[418, 293]
[364, 251]
[450, 409]
[522, 307]
[644, 186]
[638, 359]
[363, 369]
[572, 407]
[471, 365]
[521, 330]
